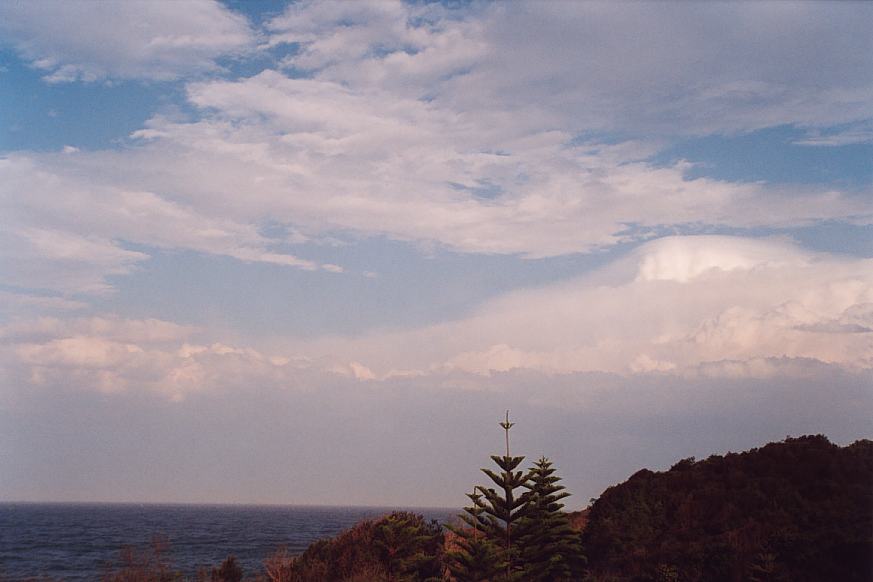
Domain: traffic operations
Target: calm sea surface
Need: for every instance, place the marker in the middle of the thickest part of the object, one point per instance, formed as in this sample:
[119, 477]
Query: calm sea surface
[77, 541]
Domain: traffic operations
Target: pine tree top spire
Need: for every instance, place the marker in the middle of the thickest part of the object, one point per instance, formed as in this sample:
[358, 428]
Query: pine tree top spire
[506, 425]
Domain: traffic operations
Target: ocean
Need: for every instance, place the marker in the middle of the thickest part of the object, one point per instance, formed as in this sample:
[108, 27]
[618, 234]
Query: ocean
[77, 542]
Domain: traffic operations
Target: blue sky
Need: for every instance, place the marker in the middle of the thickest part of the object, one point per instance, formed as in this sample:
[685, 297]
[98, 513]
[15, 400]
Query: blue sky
[407, 217]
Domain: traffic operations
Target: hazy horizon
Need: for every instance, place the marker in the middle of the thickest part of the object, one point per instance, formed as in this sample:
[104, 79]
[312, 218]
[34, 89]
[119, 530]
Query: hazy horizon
[572, 503]
[308, 253]
[220, 504]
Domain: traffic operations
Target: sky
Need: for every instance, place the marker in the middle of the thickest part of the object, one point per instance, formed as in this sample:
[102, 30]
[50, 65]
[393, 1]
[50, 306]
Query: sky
[310, 252]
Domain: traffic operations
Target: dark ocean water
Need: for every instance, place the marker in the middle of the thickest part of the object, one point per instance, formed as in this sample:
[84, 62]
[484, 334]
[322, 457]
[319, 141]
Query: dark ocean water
[76, 541]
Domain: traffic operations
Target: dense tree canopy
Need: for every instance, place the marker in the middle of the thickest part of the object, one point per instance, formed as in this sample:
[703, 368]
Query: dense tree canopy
[473, 555]
[400, 547]
[550, 549]
[797, 510]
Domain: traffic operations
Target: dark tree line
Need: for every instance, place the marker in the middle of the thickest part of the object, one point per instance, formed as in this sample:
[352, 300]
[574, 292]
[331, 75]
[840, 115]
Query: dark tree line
[798, 510]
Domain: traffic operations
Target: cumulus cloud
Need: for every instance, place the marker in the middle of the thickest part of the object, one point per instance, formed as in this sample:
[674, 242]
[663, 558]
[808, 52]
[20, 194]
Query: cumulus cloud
[90, 40]
[113, 354]
[107, 354]
[679, 305]
[692, 307]
[685, 259]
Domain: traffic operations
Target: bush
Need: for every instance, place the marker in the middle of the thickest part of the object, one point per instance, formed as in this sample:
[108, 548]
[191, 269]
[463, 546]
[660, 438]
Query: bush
[400, 547]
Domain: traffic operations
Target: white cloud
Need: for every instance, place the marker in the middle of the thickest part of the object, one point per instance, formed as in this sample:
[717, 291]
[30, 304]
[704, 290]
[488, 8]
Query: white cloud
[64, 232]
[324, 159]
[688, 306]
[404, 47]
[676, 305]
[677, 259]
[113, 354]
[477, 152]
[334, 31]
[672, 69]
[432, 125]
[90, 40]
[69, 262]
[745, 309]
[109, 354]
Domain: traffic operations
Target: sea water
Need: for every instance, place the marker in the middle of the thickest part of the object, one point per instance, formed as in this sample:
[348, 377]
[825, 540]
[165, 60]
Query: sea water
[77, 542]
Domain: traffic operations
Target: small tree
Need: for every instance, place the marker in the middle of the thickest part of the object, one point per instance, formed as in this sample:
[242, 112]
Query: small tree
[551, 548]
[473, 557]
[410, 547]
[505, 510]
[497, 513]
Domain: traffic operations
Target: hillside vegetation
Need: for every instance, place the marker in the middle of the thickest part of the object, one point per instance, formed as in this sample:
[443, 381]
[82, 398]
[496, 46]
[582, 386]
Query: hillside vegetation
[797, 510]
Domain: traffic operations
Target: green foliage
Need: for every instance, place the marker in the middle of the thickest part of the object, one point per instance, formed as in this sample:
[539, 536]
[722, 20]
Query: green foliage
[551, 549]
[473, 557]
[502, 510]
[513, 535]
[410, 548]
[400, 547]
[476, 559]
[797, 510]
